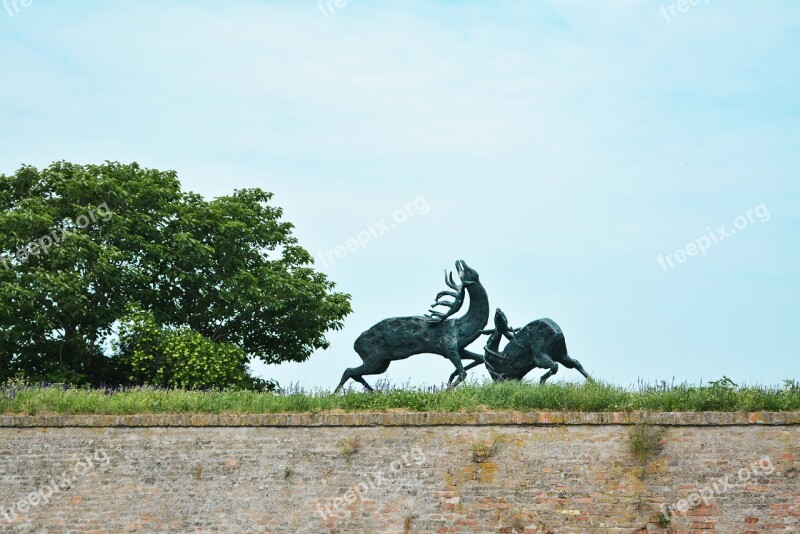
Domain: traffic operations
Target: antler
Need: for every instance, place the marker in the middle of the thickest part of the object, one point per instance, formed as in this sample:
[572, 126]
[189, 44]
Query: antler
[455, 305]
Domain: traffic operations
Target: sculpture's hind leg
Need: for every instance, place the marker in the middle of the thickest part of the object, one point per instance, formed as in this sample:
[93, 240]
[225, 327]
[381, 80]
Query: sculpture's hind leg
[468, 355]
[369, 367]
[546, 362]
[467, 368]
[454, 356]
[571, 363]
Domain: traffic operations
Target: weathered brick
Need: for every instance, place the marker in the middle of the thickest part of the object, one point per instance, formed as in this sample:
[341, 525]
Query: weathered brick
[281, 473]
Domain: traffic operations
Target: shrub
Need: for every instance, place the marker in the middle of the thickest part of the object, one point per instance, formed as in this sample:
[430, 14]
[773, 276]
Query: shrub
[178, 357]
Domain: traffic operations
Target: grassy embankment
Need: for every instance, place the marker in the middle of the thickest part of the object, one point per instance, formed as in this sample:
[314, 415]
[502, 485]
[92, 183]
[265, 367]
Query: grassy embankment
[722, 395]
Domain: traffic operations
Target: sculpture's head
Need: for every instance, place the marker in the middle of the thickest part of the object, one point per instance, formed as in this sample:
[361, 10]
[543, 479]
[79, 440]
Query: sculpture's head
[501, 321]
[467, 274]
[501, 326]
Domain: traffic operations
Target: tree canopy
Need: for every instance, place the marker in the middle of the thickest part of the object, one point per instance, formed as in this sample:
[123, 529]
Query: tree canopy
[80, 244]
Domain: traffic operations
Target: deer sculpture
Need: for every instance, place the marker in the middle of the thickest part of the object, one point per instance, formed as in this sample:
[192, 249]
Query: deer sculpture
[540, 343]
[398, 338]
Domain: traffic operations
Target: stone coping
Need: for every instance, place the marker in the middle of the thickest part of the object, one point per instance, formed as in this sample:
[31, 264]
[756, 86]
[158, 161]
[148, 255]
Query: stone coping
[388, 419]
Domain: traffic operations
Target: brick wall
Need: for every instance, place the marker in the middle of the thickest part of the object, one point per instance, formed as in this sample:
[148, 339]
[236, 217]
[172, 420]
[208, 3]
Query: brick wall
[401, 473]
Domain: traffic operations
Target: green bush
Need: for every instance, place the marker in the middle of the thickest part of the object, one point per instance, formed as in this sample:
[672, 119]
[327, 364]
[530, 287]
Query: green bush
[178, 357]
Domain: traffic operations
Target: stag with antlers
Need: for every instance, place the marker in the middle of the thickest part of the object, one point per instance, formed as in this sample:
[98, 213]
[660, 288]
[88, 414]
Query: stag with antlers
[398, 338]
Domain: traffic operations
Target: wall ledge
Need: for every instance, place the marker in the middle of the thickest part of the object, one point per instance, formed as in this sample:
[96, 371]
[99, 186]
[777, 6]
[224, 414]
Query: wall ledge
[393, 419]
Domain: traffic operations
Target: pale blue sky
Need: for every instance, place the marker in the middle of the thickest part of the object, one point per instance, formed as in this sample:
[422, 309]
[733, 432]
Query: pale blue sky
[559, 147]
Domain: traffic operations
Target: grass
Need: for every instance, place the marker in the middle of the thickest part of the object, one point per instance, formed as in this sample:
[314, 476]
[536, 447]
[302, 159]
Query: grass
[722, 396]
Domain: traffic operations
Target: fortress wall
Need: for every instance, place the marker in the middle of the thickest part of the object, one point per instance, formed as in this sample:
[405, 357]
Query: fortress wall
[400, 473]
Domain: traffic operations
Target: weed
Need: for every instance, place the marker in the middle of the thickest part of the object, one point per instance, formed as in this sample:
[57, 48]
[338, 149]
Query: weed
[518, 523]
[645, 441]
[348, 447]
[482, 451]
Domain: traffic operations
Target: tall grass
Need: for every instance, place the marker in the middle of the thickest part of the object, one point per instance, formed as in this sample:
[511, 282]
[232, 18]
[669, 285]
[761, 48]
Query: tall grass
[722, 395]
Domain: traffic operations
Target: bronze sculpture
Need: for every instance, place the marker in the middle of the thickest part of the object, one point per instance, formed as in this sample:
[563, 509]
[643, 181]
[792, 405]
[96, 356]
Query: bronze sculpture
[398, 338]
[540, 343]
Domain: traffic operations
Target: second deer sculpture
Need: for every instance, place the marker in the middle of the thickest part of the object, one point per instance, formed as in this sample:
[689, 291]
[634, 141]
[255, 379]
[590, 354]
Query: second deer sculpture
[540, 343]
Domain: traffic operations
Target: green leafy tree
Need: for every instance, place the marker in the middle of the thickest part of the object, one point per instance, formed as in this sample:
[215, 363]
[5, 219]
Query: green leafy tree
[228, 269]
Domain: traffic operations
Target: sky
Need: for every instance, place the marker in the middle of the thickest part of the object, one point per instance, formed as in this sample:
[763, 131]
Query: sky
[626, 168]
